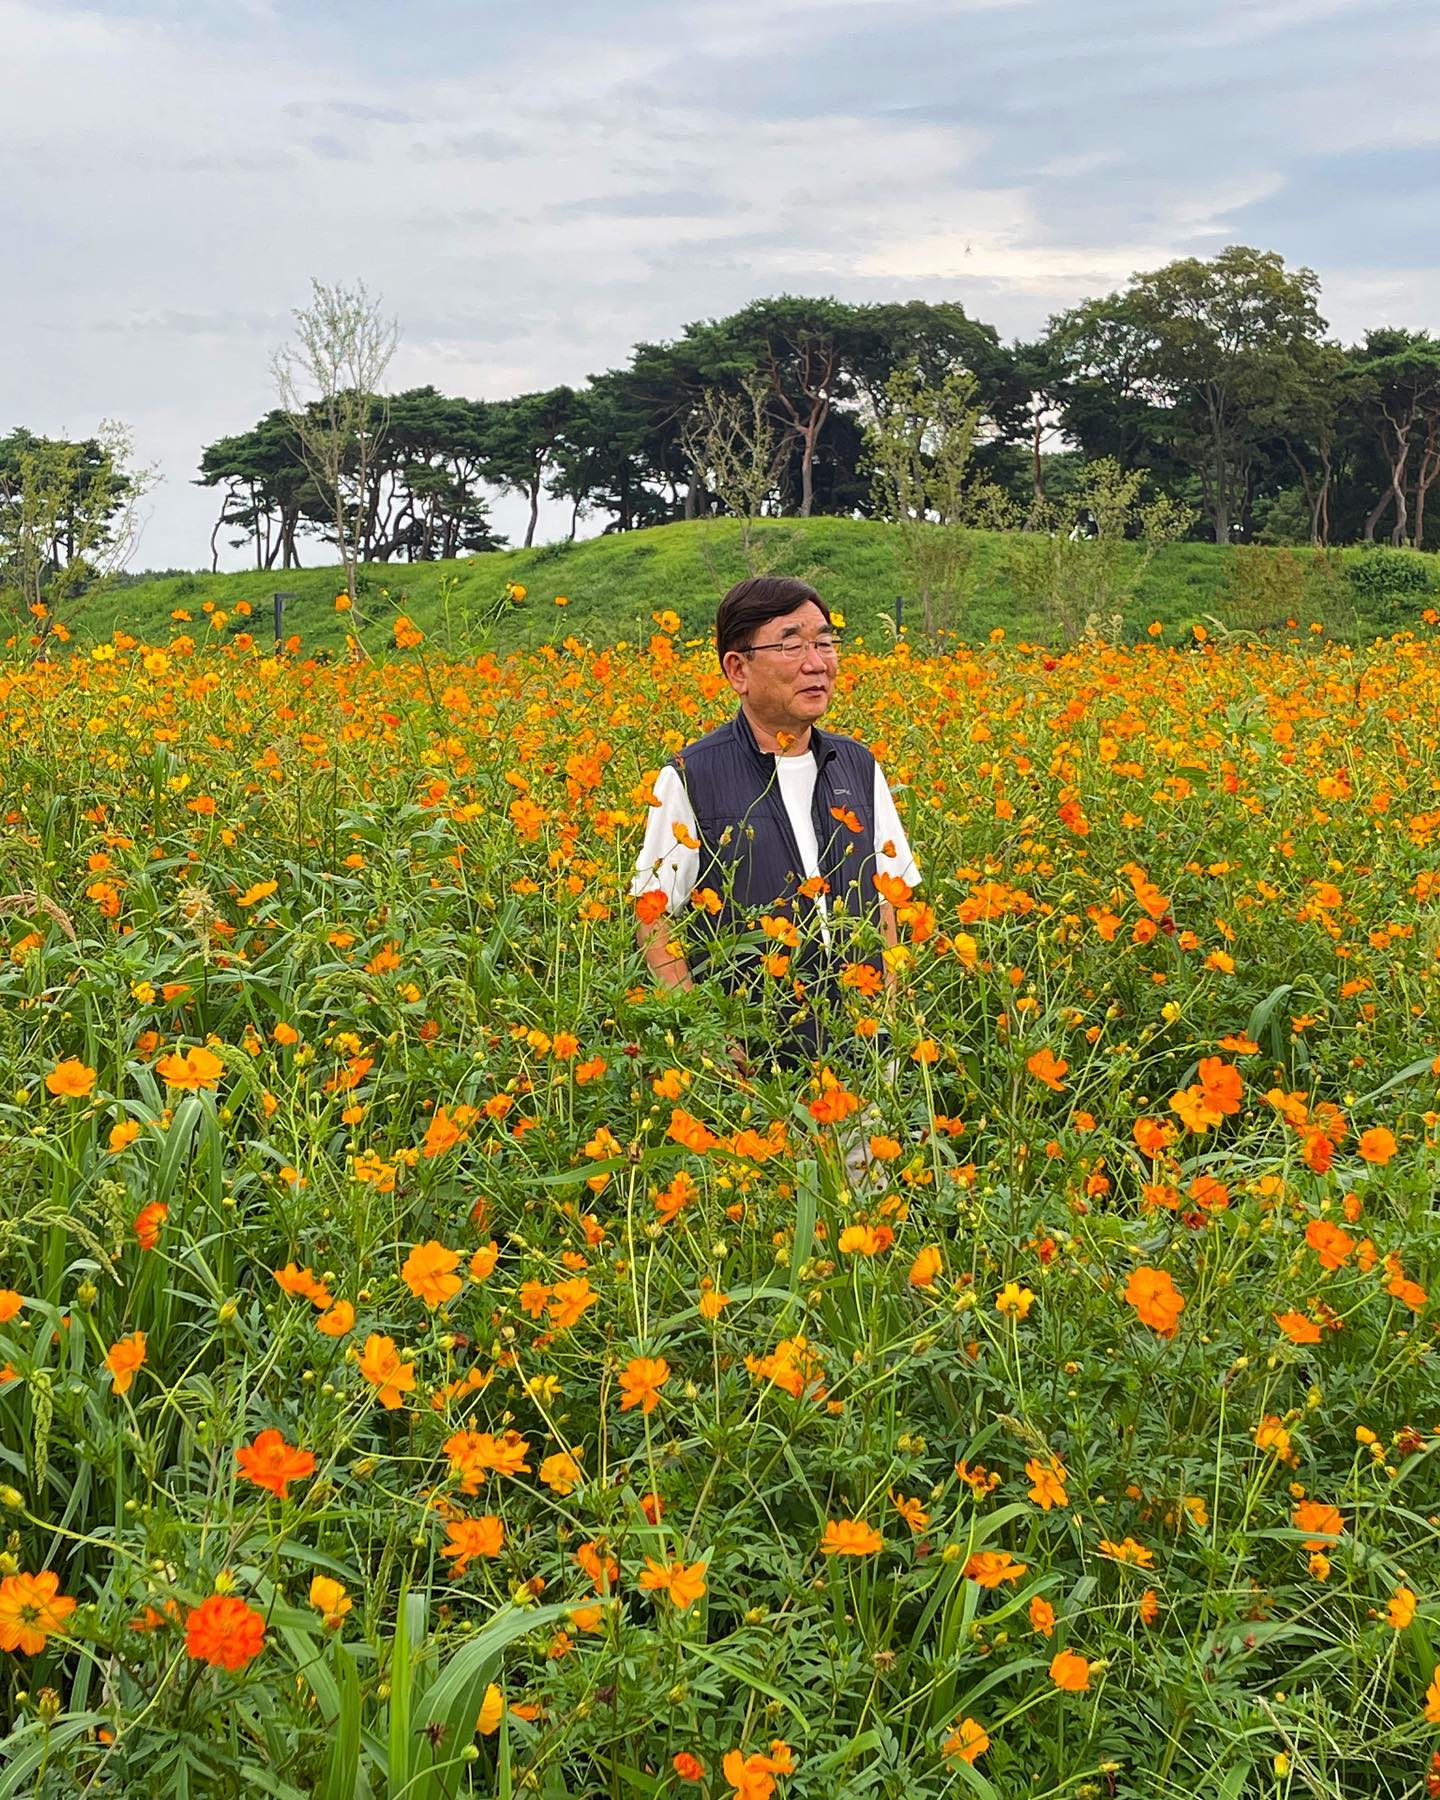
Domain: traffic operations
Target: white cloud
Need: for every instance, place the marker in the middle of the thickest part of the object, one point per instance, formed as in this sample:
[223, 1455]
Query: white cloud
[532, 197]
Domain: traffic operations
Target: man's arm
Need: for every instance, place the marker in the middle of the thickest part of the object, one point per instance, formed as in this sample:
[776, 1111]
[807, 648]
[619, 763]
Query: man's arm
[663, 954]
[890, 931]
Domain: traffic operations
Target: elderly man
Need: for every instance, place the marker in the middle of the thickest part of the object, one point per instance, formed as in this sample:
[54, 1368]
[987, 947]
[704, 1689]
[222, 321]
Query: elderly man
[770, 824]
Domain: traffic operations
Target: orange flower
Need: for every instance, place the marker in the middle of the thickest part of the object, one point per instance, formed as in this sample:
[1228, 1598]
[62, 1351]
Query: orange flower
[191, 1070]
[1047, 1483]
[641, 1381]
[602, 1568]
[1432, 1699]
[926, 1266]
[148, 1222]
[683, 1582]
[650, 905]
[122, 1136]
[443, 1133]
[1156, 1300]
[1069, 1671]
[482, 1263]
[475, 1455]
[123, 1358]
[1401, 1608]
[381, 1365]
[70, 1080]
[10, 1304]
[224, 1632]
[337, 1321]
[429, 1273]
[1127, 1551]
[1298, 1328]
[1045, 1066]
[911, 1509]
[967, 1741]
[272, 1463]
[850, 1537]
[562, 1472]
[687, 1767]
[1326, 1522]
[1148, 1607]
[466, 1539]
[568, 1300]
[1329, 1242]
[1377, 1145]
[690, 1131]
[31, 1608]
[1042, 1616]
[866, 1240]
[988, 1568]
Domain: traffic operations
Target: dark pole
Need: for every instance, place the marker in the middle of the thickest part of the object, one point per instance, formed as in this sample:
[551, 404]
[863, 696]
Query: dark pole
[280, 600]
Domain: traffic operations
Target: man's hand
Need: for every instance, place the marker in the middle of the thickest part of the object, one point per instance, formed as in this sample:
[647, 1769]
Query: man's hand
[663, 955]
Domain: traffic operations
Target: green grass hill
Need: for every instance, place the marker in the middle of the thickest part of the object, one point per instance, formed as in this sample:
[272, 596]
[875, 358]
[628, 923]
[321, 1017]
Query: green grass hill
[612, 585]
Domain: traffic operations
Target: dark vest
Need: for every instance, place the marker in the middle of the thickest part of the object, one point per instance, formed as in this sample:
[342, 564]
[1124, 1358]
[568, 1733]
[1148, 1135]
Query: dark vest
[749, 856]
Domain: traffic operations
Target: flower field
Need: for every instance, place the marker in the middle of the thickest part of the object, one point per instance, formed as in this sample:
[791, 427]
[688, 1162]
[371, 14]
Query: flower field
[428, 1368]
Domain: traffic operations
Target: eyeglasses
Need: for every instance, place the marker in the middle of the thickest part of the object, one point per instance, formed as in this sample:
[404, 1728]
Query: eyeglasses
[793, 648]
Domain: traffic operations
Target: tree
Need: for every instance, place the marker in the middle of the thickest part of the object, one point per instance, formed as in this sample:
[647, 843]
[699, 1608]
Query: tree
[522, 441]
[805, 350]
[68, 514]
[921, 442]
[1201, 356]
[342, 349]
[269, 490]
[1395, 383]
[1306, 419]
[1080, 564]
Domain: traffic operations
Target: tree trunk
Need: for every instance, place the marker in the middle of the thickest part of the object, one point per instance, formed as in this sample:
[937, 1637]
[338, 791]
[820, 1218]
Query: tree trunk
[1398, 462]
[1036, 476]
[1425, 476]
[534, 510]
[1376, 512]
[214, 546]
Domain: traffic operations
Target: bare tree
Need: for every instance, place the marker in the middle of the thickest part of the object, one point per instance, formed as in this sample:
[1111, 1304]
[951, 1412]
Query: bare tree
[920, 443]
[329, 380]
[737, 455]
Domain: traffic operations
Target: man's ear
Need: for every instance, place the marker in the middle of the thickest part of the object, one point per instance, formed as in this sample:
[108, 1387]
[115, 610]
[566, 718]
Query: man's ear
[737, 670]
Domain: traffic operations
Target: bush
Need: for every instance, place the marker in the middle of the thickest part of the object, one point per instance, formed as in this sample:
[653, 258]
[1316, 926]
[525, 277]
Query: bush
[1388, 582]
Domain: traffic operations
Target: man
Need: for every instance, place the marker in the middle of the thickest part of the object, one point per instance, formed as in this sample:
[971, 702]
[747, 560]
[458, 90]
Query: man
[770, 824]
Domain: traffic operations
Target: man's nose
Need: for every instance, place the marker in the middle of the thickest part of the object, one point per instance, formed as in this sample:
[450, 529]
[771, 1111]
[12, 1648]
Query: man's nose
[812, 659]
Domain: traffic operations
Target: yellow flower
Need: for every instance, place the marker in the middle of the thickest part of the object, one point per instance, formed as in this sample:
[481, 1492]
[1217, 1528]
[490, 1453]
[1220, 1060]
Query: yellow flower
[492, 1711]
[329, 1597]
[1014, 1301]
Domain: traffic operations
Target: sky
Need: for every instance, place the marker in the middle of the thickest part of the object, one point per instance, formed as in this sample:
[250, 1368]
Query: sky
[531, 189]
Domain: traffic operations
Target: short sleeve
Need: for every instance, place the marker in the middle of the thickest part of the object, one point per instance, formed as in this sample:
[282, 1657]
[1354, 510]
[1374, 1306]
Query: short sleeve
[668, 860]
[893, 855]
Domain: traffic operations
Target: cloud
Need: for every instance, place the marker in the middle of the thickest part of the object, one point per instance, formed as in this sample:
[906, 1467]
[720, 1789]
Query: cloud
[534, 190]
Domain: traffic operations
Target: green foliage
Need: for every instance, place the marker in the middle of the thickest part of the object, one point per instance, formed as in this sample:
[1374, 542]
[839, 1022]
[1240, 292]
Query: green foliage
[613, 584]
[1390, 585]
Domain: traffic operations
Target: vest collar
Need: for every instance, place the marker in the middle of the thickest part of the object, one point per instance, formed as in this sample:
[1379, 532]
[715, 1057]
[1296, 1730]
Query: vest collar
[822, 743]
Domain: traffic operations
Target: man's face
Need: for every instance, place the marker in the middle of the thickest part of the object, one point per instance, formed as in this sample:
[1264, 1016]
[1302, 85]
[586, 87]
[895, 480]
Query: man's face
[785, 692]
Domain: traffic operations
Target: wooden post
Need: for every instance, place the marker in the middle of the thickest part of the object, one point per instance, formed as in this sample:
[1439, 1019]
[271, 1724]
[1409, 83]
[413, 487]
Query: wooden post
[280, 600]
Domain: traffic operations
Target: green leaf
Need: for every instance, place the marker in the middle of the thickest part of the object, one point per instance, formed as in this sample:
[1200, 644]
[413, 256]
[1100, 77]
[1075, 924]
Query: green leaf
[453, 1702]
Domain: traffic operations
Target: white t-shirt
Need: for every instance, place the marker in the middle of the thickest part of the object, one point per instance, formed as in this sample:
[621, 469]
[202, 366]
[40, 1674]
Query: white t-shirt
[668, 861]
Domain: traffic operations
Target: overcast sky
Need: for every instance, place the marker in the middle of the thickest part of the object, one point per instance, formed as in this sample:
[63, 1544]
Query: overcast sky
[532, 188]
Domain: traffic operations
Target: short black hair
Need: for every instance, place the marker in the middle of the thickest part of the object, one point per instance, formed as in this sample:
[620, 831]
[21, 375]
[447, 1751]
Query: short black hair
[753, 603]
